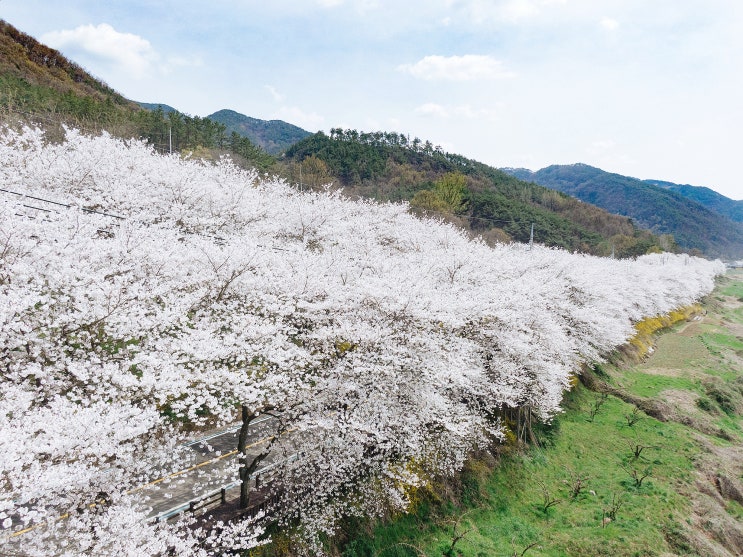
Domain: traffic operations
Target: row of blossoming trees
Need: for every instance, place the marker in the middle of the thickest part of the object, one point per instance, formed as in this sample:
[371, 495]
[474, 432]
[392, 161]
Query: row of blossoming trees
[173, 292]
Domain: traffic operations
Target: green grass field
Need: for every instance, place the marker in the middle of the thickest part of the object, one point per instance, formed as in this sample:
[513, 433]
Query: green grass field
[619, 483]
[589, 468]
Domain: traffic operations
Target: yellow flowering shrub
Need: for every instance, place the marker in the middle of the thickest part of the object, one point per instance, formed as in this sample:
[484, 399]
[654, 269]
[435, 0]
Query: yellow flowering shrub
[646, 329]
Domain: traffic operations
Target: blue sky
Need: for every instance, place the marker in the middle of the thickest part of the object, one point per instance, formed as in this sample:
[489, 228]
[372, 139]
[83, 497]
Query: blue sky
[646, 89]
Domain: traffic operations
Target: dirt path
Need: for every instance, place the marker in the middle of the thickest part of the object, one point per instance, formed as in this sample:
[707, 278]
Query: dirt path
[702, 363]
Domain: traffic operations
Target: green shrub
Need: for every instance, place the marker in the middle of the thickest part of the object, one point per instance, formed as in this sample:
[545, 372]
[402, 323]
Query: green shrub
[705, 404]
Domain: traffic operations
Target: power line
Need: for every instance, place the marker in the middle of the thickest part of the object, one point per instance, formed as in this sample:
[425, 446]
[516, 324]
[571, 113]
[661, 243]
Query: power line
[167, 147]
[84, 209]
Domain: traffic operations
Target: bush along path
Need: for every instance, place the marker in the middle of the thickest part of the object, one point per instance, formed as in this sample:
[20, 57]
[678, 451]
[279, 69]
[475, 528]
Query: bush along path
[647, 459]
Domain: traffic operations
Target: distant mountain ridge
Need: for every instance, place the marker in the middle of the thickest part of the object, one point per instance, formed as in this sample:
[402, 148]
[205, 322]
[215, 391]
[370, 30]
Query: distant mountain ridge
[38, 84]
[389, 166]
[274, 136]
[651, 206]
[709, 198]
[154, 106]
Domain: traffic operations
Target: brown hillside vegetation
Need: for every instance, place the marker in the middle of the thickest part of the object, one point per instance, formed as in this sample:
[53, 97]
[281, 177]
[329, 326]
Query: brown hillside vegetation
[24, 57]
[40, 85]
[483, 200]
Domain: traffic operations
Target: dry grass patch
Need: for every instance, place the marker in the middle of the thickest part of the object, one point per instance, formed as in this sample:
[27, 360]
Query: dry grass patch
[677, 354]
[715, 531]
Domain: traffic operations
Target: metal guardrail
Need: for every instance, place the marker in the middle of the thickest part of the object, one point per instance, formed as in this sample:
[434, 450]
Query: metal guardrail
[57, 203]
[218, 239]
[229, 429]
[218, 496]
[197, 504]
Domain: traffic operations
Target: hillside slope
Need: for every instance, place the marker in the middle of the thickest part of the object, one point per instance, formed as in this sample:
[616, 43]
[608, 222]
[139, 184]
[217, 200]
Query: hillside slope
[692, 225]
[22, 56]
[38, 84]
[155, 106]
[486, 201]
[718, 203]
[274, 136]
[43, 86]
[38, 80]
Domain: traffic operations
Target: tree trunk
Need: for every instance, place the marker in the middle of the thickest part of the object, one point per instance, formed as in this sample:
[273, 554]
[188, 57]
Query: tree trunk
[243, 458]
[248, 467]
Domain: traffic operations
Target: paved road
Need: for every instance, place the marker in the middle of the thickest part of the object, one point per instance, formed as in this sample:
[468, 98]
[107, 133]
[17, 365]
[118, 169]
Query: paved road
[215, 460]
[215, 466]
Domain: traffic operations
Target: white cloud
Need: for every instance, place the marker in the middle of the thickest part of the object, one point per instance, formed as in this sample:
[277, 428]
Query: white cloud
[609, 24]
[310, 121]
[600, 146]
[465, 111]
[365, 7]
[526, 160]
[278, 97]
[520, 9]
[432, 109]
[130, 52]
[606, 153]
[180, 62]
[456, 68]
[330, 3]
[512, 11]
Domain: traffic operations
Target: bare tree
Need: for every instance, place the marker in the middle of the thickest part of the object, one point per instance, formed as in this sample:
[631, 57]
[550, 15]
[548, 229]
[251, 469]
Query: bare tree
[610, 512]
[633, 417]
[638, 476]
[457, 535]
[636, 449]
[576, 483]
[548, 500]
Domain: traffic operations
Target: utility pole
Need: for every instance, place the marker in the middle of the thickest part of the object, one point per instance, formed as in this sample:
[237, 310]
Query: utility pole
[531, 237]
[612, 251]
[170, 139]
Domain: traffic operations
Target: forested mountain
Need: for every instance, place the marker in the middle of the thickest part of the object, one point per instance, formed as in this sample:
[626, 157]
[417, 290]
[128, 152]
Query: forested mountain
[274, 136]
[34, 77]
[692, 225]
[154, 106]
[485, 200]
[39, 84]
[22, 56]
[709, 198]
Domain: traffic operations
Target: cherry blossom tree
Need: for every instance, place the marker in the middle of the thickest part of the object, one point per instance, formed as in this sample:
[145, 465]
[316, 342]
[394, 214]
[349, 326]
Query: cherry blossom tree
[146, 297]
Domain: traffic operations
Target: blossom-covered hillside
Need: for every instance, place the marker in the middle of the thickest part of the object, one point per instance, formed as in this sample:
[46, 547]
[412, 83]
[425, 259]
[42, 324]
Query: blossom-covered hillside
[171, 292]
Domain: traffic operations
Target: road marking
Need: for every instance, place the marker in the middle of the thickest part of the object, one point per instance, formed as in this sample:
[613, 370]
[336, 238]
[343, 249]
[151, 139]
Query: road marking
[230, 429]
[21, 532]
[65, 515]
[138, 488]
[174, 474]
[215, 459]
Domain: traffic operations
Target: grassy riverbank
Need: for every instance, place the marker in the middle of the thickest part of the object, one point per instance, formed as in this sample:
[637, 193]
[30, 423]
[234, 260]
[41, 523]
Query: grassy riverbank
[609, 479]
